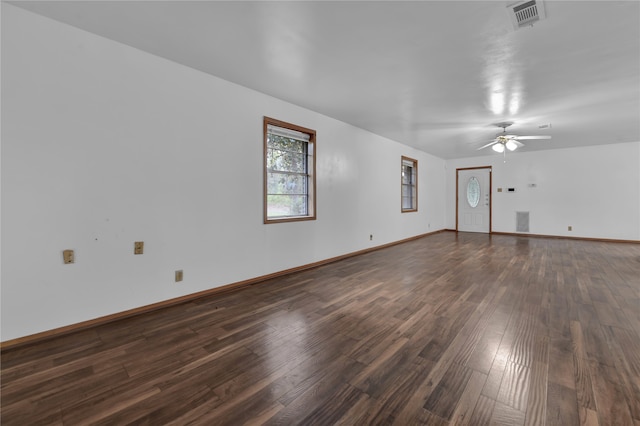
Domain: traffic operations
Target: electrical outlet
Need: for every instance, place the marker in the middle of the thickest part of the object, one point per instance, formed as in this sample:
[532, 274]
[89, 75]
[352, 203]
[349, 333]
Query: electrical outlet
[138, 247]
[179, 275]
[371, 237]
[68, 256]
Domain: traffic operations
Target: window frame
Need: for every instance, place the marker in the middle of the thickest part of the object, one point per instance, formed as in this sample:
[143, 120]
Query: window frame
[311, 172]
[413, 186]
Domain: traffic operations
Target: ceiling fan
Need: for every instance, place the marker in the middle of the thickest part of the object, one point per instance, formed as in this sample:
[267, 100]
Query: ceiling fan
[504, 142]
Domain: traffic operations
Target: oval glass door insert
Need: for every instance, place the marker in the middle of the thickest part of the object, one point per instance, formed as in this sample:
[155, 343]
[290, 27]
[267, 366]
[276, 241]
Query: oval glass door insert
[473, 192]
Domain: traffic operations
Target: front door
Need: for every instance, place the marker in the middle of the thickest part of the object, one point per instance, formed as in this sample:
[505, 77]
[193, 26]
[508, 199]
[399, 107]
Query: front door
[474, 200]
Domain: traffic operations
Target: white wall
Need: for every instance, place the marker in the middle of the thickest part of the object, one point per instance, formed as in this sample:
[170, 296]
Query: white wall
[104, 145]
[596, 190]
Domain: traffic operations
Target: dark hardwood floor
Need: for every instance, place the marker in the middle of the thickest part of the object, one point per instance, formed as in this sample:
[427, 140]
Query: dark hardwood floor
[446, 329]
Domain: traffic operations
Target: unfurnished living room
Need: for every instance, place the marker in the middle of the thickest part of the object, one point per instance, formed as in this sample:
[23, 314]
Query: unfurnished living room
[320, 212]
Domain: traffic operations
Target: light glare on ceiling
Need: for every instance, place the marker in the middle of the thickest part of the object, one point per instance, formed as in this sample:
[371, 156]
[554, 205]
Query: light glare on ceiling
[497, 103]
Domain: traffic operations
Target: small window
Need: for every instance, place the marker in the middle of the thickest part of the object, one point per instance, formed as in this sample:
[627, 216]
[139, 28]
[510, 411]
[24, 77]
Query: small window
[409, 185]
[473, 192]
[289, 172]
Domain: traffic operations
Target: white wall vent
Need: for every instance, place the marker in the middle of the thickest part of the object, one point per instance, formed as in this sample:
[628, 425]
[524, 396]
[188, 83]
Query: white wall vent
[525, 13]
[522, 221]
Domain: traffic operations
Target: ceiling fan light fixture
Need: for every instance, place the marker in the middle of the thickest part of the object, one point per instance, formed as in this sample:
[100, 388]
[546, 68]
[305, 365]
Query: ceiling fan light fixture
[504, 142]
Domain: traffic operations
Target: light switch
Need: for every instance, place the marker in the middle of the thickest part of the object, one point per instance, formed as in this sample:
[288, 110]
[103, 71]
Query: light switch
[138, 247]
[68, 256]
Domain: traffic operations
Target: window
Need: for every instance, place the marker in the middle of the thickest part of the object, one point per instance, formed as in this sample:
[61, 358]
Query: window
[289, 172]
[473, 192]
[409, 185]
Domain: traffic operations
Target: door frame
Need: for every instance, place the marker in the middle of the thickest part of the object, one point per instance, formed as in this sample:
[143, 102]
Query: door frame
[490, 191]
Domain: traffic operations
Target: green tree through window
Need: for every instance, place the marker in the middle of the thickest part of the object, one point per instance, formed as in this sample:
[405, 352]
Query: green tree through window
[409, 185]
[289, 172]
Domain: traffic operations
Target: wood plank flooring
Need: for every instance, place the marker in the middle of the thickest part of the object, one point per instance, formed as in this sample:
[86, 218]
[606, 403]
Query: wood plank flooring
[464, 329]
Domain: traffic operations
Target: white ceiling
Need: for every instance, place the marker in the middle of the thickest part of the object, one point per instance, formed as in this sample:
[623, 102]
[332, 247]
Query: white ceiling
[431, 74]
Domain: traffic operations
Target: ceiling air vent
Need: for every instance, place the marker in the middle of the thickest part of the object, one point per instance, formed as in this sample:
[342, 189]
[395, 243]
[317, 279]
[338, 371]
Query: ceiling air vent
[526, 13]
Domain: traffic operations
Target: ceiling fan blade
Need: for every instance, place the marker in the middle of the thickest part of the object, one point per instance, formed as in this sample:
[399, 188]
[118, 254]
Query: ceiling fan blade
[523, 138]
[520, 144]
[489, 144]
